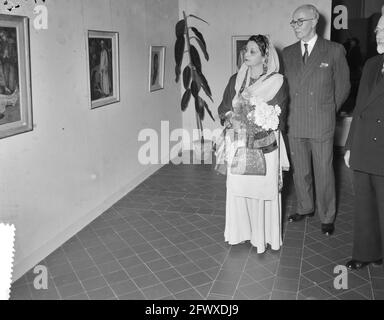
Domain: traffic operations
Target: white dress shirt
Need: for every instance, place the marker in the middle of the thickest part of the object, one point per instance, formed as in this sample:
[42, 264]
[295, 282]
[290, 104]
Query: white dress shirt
[311, 44]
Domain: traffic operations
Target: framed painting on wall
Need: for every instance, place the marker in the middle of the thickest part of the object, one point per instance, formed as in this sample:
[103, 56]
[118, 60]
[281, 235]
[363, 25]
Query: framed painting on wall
[238, 48]
[156, 68]
[15, 76]
[103, 67]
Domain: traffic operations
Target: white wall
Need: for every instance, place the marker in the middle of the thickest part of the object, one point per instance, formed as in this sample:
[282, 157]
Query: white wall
[77, 162]
[243, 17]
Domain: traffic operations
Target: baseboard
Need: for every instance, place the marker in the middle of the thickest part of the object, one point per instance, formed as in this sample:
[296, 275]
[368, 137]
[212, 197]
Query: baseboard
[33, 259]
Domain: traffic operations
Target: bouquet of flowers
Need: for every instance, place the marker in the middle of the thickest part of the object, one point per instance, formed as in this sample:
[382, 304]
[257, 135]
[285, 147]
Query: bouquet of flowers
[252, 124]
[255, 115]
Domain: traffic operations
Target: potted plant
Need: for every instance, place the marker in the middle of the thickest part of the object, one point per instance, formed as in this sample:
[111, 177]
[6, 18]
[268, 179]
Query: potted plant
[194, 80]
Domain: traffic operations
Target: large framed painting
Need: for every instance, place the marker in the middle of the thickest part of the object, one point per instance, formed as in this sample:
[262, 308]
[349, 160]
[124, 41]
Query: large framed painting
[238, 49]
[156, 68]
[15, 76]
[103, 67]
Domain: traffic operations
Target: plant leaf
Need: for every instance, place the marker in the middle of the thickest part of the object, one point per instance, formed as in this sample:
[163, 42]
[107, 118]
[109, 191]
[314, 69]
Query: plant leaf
[209, 111]
[180, 28]
[195, 57]
[193, 16]
[179, 53]
[195, 88]
[199, 35]
[205, 85]
[187, 77]
[203, 48]
[199, 107]
[185, 100]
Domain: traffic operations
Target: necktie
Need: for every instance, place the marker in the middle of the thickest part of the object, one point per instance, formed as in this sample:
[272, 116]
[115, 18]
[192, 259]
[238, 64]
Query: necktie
[306, 54]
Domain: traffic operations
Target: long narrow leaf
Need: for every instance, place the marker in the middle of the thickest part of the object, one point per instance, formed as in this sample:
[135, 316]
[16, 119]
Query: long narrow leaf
[195, 88]
[205, 85]
[199, 107]
[179, 53]
[195, 57]
[203, 48]
[180, 28]
[209, 111]
[185, 100]
[193, 16]
[199, 35]
[187, 77]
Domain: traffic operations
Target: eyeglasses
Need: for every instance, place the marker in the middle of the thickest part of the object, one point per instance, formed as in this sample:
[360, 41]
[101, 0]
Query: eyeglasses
[299, 22]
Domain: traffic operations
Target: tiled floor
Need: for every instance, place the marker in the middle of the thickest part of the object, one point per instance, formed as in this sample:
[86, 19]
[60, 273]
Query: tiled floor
[164, 240]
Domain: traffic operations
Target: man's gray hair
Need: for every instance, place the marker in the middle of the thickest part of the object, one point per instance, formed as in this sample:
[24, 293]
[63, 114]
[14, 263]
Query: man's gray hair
[310, 7]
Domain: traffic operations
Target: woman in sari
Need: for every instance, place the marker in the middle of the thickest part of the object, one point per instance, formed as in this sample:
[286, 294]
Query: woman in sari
[253, 202]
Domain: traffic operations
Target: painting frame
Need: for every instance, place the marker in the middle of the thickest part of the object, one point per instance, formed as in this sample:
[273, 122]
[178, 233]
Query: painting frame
[104, 77]
[237, 43]
[156, 69]
[15, 87]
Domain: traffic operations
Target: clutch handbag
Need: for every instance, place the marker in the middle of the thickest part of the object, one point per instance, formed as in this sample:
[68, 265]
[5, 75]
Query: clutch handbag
[249, 162]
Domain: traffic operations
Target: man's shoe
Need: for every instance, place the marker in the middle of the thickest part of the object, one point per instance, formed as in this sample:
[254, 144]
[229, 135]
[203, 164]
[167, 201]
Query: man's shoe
[298, 217]
[327, 228]
[356, 264]
[377, 263]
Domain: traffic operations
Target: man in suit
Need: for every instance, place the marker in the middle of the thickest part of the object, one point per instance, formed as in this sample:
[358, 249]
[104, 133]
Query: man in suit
[318, 79]
[365, 155]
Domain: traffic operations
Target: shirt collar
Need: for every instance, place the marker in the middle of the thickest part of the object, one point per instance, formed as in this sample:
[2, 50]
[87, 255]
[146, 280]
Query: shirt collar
[311, 43]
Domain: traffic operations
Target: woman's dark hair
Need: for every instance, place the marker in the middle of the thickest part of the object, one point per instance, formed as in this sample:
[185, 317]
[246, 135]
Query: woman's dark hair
[261, 41]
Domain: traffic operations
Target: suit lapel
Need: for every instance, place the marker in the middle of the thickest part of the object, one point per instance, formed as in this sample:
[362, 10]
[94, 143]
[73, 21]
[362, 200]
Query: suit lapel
[377, 88]
[313, 60]
[297, 62]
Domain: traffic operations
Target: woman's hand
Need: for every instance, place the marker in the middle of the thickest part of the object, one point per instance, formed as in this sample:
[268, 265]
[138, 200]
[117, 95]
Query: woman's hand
[346, 158]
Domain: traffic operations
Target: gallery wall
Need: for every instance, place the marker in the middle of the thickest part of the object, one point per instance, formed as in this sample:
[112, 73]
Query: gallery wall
[244, 17]
[77, 162]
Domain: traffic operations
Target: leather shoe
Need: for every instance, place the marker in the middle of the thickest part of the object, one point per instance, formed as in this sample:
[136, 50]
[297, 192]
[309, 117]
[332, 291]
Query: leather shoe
[298, 217]
[327, 228]
[357, 265]
[377, 263]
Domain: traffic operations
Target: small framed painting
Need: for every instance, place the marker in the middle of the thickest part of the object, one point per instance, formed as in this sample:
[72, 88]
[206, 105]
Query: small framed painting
[156, 68]
[15, 76]
[238, 49]
[103, 67]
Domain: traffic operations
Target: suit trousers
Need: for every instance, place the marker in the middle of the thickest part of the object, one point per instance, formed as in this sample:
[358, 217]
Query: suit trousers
[307, 153]
[368, 237]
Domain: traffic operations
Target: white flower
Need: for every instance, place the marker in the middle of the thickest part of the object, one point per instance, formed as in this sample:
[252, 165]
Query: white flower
[264, 115]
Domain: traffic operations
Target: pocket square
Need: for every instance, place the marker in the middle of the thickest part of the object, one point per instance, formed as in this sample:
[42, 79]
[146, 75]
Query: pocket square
[324, 65]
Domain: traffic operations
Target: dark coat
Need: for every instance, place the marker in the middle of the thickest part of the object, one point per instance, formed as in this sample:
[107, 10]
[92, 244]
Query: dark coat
[317, 90]
[366, 136]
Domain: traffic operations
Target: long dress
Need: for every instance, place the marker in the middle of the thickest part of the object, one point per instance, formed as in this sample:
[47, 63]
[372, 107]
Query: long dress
[253, 203]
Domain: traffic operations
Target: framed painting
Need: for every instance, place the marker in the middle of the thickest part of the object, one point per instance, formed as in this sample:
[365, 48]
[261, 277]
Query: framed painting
[103, 68]
[156, 68]
[238, 48]
[15, 76]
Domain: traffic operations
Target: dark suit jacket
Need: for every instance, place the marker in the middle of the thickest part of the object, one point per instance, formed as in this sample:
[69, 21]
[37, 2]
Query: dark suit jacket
[281, 99]
[366, 136]
[317, 90]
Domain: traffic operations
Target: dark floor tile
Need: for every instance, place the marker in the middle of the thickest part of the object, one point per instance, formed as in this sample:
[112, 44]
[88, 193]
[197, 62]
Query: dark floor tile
[124, 288]
[94, 283]
[314, 293]
[116, 277]
[223, 288]
[284, 284]
[283, 295]
[198, 279]
[190, 294]
[253, 291]
[136, 295]
[101, 294]
[177, 285]
[71, 290]
[146, 281]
